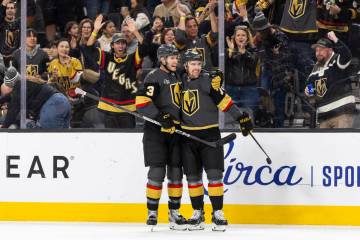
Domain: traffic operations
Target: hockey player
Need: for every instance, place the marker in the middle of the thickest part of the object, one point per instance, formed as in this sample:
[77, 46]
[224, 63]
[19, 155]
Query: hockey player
[202, 96]
[120, 84]
[159, 98]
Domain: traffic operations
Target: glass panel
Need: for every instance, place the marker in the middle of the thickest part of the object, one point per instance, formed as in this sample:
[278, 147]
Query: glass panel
[265, 67]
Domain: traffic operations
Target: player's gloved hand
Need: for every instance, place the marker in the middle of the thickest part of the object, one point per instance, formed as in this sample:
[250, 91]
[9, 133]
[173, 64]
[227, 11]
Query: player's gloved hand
[245, 124]
[167, 123]
[216, 79]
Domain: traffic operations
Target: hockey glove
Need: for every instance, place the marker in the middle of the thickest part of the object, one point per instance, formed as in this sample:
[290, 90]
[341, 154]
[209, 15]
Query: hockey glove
[245, 124]
[216, 79]
[167, 123]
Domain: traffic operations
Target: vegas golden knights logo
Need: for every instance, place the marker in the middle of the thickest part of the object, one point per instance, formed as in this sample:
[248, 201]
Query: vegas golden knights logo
[12, 38]
[190, 102]
[321, 87]
[32, 70]
[175, 94]
[297, 8]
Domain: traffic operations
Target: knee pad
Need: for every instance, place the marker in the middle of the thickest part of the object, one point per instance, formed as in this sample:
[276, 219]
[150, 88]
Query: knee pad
[156, 174]
[175, 174]
[214, 175]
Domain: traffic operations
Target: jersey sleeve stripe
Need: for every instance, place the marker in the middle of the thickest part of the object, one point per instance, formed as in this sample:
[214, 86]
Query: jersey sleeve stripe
[225, 103]
[142, 101]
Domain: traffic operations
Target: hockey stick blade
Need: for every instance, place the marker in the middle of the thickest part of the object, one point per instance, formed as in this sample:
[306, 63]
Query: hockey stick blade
[221, 142]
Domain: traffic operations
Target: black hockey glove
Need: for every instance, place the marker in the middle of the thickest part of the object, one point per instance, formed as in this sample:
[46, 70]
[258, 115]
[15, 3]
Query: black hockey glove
[167, 123]
[245, 124]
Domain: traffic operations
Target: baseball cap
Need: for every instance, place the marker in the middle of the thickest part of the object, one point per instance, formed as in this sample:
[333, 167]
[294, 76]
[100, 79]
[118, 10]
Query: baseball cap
[324, 43]
[118, 37]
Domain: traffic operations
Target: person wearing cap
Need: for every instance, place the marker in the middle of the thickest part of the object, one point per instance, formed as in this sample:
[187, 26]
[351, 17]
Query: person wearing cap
[275, 60]
[201, 99]
[159, 98]
[120, 85]
[329, 84]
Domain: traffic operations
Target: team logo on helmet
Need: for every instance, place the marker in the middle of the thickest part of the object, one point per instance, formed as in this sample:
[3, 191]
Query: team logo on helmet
[190, 102]
[321, 87]
[297, 8]
[175, 94]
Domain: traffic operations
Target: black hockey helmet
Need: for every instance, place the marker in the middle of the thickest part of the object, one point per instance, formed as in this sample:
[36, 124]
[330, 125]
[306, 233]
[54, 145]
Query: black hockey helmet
[192, 55]
[166, 50]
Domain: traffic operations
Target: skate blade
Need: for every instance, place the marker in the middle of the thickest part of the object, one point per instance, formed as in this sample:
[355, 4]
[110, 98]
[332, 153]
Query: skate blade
[218, 228]
[177, 227]
[151, 228]
[198, 227]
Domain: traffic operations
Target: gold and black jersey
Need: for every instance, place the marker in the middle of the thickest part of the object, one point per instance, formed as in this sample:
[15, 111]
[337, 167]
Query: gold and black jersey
[160, 92]
[120, 85]
[9, 36]
[65, 76]
[200, 103]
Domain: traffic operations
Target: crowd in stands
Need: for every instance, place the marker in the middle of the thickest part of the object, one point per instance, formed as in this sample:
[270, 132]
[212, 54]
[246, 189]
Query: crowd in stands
[269, 53]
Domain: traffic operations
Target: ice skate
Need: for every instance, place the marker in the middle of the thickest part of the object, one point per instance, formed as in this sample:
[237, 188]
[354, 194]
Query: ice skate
[218, 220]
[176, 220]
[152, 219]
[197, 220]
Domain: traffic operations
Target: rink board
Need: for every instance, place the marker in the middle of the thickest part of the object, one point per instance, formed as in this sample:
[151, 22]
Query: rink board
[100, 177]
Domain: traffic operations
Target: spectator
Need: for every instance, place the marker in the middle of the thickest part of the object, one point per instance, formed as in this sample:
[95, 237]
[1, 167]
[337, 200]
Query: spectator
[299, 24]
[51, 51]
[9, 30]
[50, 108]
[186, 35]
[108, 32]
[275, 62]
[65, 70]
[241, 81]
[72, 34]
[157, 36]
[168, 12]
[36, 58]
[329, 84]
[140, 15]
[120, 85]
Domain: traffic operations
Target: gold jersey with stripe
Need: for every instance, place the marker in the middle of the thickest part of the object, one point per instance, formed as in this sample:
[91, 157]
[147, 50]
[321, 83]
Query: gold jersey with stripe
[65, 75]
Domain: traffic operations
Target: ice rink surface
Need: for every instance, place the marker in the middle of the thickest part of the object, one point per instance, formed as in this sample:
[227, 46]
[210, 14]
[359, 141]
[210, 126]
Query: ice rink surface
[110, 231]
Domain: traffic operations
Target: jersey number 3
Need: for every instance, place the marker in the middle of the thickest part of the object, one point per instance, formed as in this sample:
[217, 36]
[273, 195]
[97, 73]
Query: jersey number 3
[150, 91]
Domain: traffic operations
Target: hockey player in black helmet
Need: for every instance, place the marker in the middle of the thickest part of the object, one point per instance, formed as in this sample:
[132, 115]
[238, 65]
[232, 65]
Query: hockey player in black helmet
[159, 98]
[201, 98]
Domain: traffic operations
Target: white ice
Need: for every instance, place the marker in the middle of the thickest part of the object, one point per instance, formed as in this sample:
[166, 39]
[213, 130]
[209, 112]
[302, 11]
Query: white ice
[110, 231]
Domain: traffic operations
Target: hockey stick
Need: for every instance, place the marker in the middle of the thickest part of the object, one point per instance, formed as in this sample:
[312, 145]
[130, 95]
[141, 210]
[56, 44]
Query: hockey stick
[268, 160]
[215, 144]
